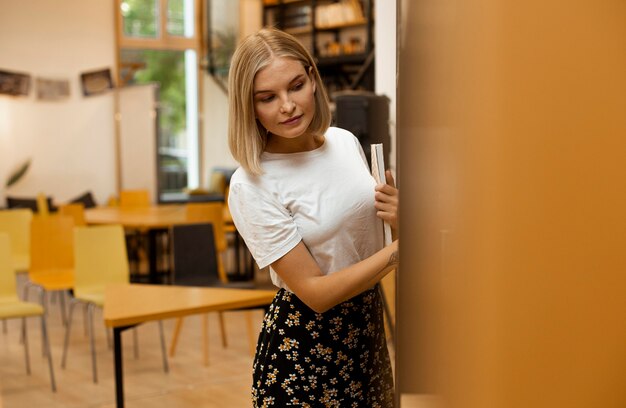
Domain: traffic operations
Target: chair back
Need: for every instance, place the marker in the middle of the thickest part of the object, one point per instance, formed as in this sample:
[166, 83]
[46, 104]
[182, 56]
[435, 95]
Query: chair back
[16, 223]
[74, 210]
[213, 213]
[99, 258]
[43, 208]
[134, 198]
[194, 256]
[52, 243]
[8, 291]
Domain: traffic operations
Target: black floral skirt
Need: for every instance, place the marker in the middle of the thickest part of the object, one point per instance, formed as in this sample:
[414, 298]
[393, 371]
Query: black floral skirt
[334, 359]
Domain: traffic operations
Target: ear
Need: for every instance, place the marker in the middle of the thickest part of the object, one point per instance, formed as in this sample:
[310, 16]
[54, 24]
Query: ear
[312, 78]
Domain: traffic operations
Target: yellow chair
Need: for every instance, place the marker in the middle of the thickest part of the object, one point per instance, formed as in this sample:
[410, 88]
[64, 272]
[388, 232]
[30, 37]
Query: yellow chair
[74, 210]
[99, 260]
[16, 223]
[12, 307]
[51, 256]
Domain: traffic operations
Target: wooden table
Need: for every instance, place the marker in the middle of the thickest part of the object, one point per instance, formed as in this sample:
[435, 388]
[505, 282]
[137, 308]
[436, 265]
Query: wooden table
[128, 305]
[152, 219]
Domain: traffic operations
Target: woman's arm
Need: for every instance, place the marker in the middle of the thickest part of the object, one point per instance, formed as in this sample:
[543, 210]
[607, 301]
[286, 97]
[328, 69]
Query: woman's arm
[321, 292]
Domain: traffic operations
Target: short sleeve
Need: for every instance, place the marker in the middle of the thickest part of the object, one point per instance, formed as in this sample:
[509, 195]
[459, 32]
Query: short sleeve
[265, 225]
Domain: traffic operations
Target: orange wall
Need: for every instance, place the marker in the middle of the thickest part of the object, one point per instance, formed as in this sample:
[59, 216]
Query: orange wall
[512, 143]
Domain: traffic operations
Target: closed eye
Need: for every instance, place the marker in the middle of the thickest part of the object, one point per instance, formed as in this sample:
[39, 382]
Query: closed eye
[266, 99]
[297, 86]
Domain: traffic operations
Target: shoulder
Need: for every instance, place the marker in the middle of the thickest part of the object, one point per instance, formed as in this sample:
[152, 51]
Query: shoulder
[248, 187]
[339, 133]
[336, 135]
[240, 176]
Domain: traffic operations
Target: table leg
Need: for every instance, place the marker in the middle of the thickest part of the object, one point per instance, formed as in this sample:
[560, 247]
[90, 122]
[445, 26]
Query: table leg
[117, 359]
[152, 256]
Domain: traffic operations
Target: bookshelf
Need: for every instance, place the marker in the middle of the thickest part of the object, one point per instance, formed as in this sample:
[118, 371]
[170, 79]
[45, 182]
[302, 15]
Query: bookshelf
[338, 33]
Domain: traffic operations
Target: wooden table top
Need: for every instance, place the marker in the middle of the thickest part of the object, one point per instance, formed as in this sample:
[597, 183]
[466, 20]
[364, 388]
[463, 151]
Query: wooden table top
[157, 216]
[131, 304]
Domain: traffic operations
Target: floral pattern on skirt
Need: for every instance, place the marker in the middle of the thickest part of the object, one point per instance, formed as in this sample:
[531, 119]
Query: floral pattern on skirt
[334, 359]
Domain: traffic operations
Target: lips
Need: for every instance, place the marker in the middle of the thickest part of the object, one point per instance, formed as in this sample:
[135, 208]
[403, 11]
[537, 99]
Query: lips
[291, 120]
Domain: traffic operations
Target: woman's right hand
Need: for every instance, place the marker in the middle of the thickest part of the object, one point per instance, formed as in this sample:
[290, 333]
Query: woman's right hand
[386, 197]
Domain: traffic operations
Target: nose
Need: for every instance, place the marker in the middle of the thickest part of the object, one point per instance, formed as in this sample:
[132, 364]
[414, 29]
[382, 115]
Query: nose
[288, 106]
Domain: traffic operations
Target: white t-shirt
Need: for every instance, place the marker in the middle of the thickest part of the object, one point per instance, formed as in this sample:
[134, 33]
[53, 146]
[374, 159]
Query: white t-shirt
[323, 197]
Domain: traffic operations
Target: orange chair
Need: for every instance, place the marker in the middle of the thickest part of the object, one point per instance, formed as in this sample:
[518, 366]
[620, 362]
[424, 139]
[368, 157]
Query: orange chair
[213, 213]
[74, 210]
[51, 256]
[195, 259]
[137, 239]
[134, 198]
[42, 204]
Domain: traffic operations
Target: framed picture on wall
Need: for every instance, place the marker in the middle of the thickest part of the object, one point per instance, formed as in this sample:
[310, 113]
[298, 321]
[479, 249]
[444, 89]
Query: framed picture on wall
[52, 89]
[96, 82]
[14, 83]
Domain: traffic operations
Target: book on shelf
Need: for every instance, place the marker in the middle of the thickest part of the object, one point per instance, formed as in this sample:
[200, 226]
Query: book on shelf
[378, 172]
[337, 14]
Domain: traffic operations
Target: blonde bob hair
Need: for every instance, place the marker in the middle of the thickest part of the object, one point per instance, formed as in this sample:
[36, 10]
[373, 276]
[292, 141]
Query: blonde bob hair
[246, 136]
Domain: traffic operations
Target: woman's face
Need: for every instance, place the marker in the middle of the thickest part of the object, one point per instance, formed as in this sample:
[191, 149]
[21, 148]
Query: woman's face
[284, 98]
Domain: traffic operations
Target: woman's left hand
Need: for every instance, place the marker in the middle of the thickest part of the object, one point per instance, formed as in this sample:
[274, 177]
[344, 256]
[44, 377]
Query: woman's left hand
[386, 197]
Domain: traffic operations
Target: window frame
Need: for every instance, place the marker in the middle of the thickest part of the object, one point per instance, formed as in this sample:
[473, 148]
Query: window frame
[164, 41]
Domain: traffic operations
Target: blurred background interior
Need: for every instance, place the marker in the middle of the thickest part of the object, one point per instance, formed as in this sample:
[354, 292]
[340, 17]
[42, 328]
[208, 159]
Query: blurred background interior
[505, 125]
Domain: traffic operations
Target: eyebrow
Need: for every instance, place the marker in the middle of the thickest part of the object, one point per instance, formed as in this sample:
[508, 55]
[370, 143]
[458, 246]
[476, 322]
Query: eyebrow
[297, 77]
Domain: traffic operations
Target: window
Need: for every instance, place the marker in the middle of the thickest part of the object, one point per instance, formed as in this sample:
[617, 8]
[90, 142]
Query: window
[159, 42]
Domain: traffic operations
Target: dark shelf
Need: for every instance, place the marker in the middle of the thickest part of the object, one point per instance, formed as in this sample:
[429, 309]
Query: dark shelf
[339, 72]
[282, 3]
[341, 59]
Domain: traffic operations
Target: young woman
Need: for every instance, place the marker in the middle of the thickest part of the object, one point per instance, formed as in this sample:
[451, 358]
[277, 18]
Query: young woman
[307, 206]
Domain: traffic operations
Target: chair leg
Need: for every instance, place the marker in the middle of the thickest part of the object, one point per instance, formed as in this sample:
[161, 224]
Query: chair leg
[177, 329]
[251, 334]
[42, 300]
[166, 367]
[92, 342]
[220, 316]
[46, 340]
[220, 269]
[205, 338]
[135, 343]
[108, 333]
[85, 322]
[68, 329]
[62, 306]
[4, 327]
[25, 338]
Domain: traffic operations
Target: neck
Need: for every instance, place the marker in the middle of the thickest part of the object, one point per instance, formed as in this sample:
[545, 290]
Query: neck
[304, 143]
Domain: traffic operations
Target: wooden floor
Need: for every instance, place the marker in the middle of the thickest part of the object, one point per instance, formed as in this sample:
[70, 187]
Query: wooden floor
[224, 383]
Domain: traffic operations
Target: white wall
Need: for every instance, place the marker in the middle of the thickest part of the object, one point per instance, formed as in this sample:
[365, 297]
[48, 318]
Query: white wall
[215, 152]
[385, 41]
[70, 142]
